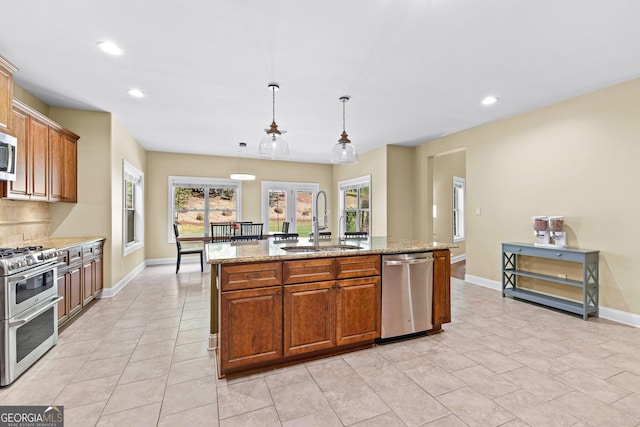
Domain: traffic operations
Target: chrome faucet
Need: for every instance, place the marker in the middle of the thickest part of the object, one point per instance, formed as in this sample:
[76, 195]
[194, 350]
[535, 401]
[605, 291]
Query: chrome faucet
[341, 237]
[316, 223]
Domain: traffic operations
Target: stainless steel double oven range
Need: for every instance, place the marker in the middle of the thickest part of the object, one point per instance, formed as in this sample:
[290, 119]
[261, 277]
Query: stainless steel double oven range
[28, 308]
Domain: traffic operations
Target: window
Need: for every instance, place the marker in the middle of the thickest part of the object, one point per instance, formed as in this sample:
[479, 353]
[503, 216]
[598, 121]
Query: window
[133, 208]
[195, 203]
[355, 204]
[458, 208]
[291, 202]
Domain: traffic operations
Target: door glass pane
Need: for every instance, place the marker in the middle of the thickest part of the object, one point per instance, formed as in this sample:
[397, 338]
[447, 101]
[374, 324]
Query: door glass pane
[304, 216]
[222, 205]
[277, 210]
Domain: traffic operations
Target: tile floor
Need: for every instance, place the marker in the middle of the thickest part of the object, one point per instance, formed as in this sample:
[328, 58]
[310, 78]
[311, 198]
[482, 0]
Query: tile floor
[140, 359]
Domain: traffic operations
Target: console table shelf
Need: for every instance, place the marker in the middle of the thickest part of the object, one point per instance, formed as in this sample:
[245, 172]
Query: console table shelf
[589, 283]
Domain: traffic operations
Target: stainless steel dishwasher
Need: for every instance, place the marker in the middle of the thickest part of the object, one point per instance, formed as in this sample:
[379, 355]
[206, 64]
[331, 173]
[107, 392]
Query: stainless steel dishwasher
[407, 294]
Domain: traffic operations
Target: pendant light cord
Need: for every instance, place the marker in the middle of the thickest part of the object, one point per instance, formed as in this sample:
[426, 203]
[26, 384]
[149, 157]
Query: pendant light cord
[343, 102]
[273, 94]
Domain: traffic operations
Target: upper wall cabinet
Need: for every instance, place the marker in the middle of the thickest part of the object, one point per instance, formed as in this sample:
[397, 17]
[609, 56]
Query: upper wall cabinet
[6, 92]
[46, 164]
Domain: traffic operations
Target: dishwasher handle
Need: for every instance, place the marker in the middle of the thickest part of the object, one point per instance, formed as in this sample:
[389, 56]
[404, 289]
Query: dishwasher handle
[409, 261]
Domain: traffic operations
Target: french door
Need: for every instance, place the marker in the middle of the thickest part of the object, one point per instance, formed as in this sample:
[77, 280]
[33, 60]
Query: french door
[288, 202]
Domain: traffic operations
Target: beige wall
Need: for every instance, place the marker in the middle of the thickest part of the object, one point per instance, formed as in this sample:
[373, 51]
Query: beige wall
[123, 147]
[162, 165]
[91, 216]
[401, 188]
[21, 94]
[372, 163]
[577, 159]
[445, 167]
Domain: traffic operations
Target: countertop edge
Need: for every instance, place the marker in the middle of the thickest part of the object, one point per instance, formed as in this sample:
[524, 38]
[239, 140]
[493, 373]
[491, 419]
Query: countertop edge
[323, 254]
[66, 242]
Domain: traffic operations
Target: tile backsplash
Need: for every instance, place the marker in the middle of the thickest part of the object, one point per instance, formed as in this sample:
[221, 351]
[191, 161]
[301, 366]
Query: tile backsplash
[22, 222]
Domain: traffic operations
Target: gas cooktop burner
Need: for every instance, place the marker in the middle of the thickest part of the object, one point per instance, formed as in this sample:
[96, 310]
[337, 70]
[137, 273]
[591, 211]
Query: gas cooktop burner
[9, 252]
[14, 260]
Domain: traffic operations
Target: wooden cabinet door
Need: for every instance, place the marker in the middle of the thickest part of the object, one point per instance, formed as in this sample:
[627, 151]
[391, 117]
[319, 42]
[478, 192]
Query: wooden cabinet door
[87, 283]
[75, 290]
[358, 310]
[63, 312]
[39, 169]
[441, 288]
[56, 165]
[70, 170]
[309, 317]
[97, 275]
[6, 92]
[20, 188]
[251, 327]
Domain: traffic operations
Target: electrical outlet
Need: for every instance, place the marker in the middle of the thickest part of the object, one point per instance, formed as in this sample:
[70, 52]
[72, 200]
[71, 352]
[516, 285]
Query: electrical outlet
[562, 276]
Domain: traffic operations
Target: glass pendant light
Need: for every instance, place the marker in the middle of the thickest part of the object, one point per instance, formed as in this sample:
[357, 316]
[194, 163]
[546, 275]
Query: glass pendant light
[344, 153]
[273, 145]
[243, 170]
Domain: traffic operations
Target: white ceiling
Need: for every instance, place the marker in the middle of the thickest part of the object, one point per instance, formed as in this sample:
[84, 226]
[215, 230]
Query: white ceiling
[415, 69]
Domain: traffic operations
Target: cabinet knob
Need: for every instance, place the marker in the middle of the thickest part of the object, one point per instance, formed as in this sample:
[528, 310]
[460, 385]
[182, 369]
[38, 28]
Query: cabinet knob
[279, 293]
[559, 254]
[338, 286]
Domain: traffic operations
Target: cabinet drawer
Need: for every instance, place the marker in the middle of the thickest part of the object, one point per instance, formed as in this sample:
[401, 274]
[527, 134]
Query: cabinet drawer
[308, 270]
[357, 266]
[246, 276]
[75, 255]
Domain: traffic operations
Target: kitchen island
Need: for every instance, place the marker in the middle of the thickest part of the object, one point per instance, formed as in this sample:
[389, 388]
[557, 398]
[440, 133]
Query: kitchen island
[275, 303]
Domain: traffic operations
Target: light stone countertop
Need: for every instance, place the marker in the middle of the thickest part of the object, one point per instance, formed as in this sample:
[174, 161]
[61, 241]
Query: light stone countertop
[63, 242]
[268, 250]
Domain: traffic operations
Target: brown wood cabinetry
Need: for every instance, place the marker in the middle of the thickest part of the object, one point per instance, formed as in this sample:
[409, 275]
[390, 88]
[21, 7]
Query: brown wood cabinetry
[251, 326]
[79, 278]
[279, 311]
[6, 92]
[46, 166]
[91, 271]
[441, 288]
[358, 310]
[69, 283]
[309, 317]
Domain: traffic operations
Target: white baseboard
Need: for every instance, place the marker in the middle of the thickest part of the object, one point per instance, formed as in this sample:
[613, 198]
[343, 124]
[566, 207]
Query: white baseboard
[213, 342]
[612, 314]
[458, 258]
[485, 283]
[111, 292]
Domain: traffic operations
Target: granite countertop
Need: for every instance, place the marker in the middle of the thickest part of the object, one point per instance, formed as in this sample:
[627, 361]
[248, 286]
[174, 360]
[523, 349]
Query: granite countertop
[64, 242]
[267, 249]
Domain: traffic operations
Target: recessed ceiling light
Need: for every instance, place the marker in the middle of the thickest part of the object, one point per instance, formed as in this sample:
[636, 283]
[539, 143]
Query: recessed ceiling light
[110, 48]
[489, 100]
[136, 93]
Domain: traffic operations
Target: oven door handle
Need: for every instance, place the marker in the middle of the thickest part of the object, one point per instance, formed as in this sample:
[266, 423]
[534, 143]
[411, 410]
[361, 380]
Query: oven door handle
[19, 321]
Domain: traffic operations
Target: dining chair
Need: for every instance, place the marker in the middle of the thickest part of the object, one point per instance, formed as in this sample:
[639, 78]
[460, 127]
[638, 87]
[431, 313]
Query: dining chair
[222, 232]
[285, 227]
[181, 251]
[248, 231]
[356, 235]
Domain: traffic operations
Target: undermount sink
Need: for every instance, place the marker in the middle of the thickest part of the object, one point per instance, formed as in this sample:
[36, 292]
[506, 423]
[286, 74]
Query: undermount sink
[332, 248]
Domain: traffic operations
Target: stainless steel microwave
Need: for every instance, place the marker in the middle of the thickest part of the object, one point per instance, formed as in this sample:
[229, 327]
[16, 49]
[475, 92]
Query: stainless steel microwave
[8, 148]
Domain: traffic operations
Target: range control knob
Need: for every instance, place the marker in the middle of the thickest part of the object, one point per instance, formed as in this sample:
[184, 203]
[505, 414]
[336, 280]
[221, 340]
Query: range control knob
[14, 265]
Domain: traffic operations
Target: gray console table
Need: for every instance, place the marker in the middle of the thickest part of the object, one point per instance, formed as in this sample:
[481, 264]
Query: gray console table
[589, 283]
